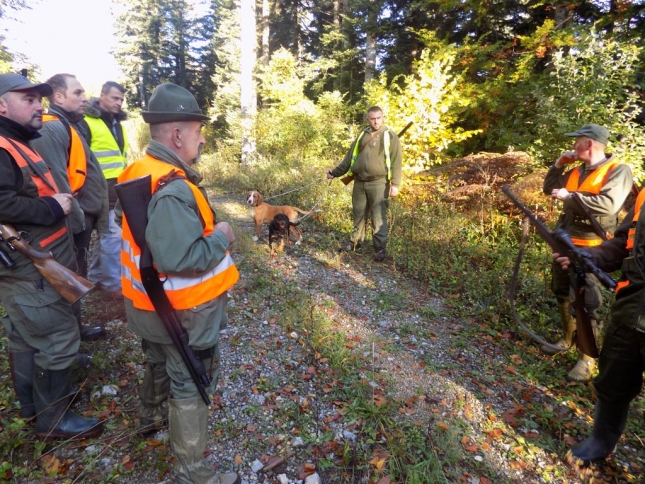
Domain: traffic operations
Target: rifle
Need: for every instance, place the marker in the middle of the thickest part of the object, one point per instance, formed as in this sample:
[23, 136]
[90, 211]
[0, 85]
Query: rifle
[350, 178]
[135, 196]
[595, 225]
[581, 264]
[68, 284]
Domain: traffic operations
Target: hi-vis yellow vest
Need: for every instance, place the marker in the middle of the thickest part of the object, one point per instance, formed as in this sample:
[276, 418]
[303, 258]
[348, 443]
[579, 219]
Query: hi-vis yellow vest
[106, 149]
[183, 292]
[386, 147]
[76, 159]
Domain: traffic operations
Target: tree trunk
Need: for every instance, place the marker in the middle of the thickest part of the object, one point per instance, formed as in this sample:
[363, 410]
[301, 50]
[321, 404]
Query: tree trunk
[247, 86]
[370, 47]
[266, 14]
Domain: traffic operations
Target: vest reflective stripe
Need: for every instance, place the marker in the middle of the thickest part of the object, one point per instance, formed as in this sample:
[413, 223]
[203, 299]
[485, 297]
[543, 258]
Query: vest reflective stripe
[183, 292]
[76, 159]
[55, 236]
[44, 190]
[593, 183]
[586, 242]
[386, 148]
[106, 149]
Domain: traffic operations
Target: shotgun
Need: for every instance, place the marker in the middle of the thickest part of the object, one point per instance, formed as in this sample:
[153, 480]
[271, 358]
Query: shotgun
[68, 284]
[350, 178]
[581, 264]
[135, 196]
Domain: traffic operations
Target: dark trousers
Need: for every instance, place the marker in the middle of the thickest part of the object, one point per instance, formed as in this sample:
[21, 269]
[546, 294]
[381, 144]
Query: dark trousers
[621, 365]
[561, 284]
[82, 244]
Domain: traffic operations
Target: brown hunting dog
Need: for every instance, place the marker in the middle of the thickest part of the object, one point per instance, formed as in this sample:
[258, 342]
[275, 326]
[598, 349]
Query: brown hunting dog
[263, 213]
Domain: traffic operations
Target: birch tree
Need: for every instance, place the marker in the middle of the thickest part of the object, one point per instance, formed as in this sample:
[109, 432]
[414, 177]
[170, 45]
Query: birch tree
[247, 85]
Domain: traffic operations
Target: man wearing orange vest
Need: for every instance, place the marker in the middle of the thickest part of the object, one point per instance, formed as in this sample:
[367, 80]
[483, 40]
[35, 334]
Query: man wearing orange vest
[76, 171]
[603, 185]
[190, 251]
[622, 359]
[40, 324]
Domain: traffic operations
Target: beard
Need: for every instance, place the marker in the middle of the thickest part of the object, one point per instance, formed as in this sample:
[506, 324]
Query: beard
[198, 158]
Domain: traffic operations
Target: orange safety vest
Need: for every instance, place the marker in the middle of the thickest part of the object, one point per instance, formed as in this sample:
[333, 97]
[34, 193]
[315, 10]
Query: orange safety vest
[632, 232]
[76, 158]
[30, 161]
[184, 292]
[591, 185]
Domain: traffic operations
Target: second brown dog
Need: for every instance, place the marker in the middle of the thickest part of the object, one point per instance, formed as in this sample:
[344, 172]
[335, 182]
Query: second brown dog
[263, 213]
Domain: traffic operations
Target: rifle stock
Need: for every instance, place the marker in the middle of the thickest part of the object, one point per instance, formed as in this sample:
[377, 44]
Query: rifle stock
[350, 178]
[581, 264]
[135, 196]
[68, 284]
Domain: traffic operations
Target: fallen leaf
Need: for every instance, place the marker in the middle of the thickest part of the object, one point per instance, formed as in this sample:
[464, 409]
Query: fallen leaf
[52, 465]
[238, 459]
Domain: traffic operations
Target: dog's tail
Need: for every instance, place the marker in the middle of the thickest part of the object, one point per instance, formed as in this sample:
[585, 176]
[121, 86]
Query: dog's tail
[302, 211]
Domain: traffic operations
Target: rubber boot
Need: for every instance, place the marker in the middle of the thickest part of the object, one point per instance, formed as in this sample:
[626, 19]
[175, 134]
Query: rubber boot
[154, 392]
[609, 423]
[568, 328]
[52, 398]
[21, 363]
[188, 424]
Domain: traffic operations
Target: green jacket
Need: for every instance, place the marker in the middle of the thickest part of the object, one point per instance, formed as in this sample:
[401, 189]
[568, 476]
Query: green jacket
[629, 308]
[53, 145]
[175, 237]
[605, 206]
[370, 163]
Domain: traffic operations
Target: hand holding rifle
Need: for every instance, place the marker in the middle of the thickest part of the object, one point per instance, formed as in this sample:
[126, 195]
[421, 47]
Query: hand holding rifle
[577, 260]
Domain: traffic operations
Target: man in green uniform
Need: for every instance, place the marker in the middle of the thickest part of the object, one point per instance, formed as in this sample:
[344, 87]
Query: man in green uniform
[375, 161]
[42, 330]
[61, 144]
[190, 249]
[603, 184]
[622, 359]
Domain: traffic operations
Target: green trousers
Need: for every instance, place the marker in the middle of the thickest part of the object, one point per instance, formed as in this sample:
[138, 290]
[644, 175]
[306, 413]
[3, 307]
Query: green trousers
[561, 285]
[39, 318]
[371, 199]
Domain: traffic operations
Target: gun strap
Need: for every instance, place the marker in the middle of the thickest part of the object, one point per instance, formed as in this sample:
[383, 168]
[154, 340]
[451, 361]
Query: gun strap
[513, 291]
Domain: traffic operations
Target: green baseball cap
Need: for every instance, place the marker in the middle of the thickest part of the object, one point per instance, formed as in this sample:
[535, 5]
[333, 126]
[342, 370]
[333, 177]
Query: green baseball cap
[15, 82]
[170, 102]
[592, 131]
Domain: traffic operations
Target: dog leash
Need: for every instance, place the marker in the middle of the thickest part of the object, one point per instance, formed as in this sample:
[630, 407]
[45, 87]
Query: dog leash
[317, 201]
[294, 190]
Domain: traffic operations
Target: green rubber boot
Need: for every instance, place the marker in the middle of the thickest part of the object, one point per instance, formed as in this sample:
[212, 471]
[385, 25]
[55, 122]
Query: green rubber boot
[188, 424]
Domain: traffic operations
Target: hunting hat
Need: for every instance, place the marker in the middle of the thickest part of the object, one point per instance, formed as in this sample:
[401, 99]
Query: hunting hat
[170, 102]
[592, 131]
[16, 82]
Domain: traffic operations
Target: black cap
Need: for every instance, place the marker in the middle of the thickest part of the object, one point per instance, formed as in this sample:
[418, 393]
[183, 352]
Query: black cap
[16, 82]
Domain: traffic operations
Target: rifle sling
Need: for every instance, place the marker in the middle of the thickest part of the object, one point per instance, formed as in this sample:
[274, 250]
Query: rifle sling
[513, 291]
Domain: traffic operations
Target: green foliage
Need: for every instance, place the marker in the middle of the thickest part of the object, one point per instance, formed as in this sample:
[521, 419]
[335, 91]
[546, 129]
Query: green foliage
[428, 97]
[593, 82]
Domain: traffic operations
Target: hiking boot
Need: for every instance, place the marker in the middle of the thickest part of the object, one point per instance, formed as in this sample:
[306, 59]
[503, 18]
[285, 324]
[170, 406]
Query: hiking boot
[349, 247]
[379, 256]
[91, 333]
[584, 368]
